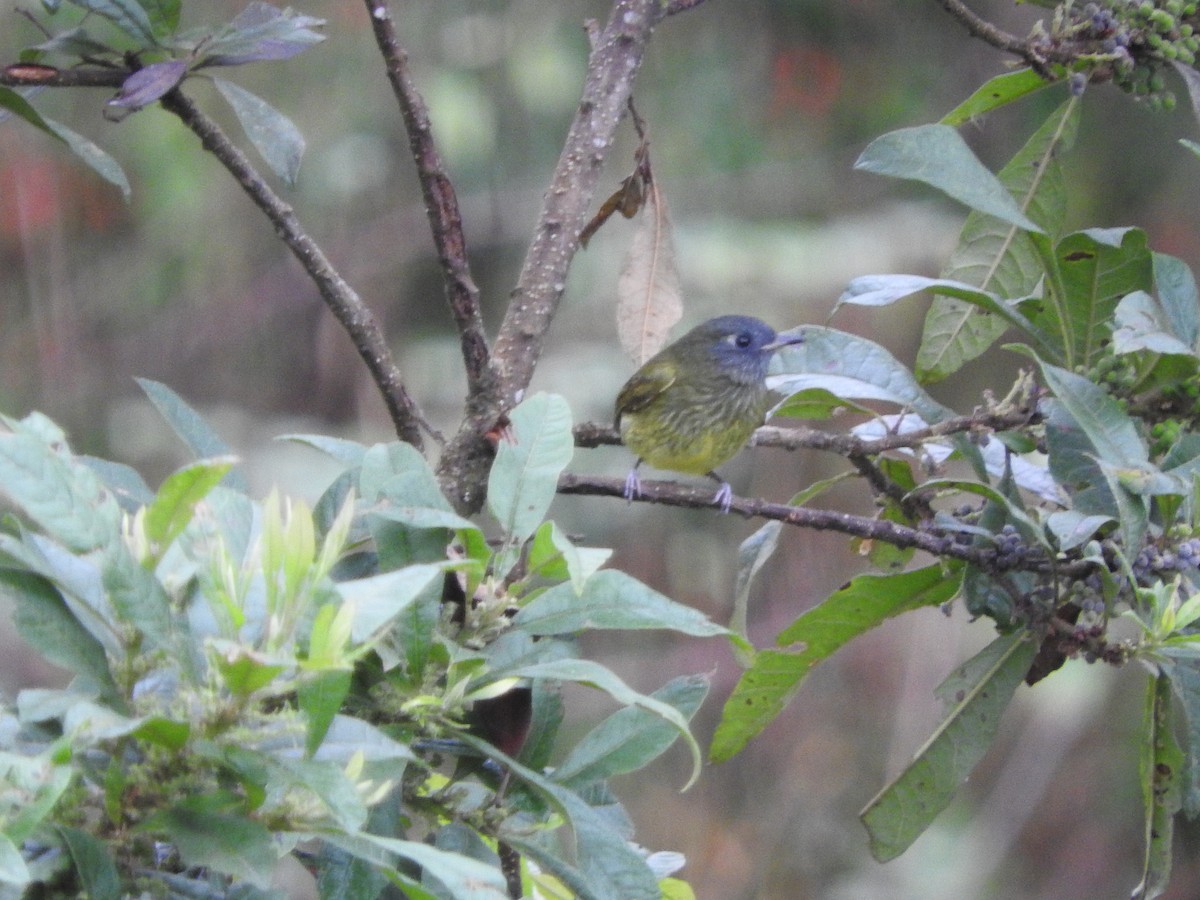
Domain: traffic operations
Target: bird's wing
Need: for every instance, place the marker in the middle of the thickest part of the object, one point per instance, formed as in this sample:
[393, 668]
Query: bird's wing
[646, 385]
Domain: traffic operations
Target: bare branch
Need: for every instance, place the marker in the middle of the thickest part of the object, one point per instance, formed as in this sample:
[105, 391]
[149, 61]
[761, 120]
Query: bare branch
[345, 304]
[1030, 51]
[441, 202]
[931, 540]
[19, 75]
[612, 70]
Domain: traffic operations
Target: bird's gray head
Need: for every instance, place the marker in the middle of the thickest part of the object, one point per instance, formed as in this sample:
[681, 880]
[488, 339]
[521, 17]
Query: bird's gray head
[741, 346]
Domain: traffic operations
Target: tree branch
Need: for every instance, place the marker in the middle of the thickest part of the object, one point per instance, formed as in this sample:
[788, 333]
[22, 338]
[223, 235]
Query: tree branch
[613, 65]
[1030, 51]
[21, 75]
[345, 304]
[935, 542]
[441, 202]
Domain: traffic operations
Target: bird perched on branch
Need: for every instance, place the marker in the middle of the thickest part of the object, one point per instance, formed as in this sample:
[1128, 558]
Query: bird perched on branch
[694, 404]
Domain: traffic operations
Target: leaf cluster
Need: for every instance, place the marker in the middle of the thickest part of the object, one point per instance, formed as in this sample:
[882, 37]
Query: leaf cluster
[251, 676]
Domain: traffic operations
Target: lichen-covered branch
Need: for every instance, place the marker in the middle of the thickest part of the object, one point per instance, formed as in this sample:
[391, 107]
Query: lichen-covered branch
[343, 301]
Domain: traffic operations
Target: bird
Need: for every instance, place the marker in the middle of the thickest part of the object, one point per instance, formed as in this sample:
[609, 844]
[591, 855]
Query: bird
[694, 404]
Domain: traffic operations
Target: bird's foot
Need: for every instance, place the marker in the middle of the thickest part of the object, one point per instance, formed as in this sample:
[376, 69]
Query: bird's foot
[724, 497]
[633, 486]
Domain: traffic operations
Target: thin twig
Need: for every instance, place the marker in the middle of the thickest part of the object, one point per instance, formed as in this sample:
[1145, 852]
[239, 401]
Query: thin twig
[345, 304]
[441, 202]
[999, 38]
[19, 75]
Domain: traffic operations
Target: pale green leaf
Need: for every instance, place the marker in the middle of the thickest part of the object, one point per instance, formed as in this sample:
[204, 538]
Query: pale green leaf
[272, 133]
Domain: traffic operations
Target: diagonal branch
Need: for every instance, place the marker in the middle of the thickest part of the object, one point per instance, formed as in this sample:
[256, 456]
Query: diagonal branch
[346, 305]
[441, 203]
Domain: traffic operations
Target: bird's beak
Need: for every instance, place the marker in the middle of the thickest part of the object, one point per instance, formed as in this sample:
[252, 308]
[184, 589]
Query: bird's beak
[785, 339]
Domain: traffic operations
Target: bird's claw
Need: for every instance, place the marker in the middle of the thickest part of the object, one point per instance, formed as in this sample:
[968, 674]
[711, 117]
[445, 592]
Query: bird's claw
[633, 486]
[724, 497]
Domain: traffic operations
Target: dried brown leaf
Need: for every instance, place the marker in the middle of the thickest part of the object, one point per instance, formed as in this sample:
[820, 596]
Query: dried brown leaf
[649, 298]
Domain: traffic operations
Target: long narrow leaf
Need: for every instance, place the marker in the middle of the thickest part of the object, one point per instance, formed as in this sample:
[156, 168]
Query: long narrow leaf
[980, 693]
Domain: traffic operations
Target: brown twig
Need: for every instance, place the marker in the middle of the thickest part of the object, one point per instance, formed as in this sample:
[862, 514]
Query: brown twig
[441, 202]
[19, 75]
[342, 300]
[1030, 51]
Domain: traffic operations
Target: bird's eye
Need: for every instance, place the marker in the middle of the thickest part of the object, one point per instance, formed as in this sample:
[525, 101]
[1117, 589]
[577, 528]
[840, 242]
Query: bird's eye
[743, 340]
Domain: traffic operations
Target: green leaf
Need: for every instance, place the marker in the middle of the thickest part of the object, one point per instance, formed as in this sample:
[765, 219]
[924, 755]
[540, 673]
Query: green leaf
[62, 496]
[378, 599]
[175, 503]
[867, 601]
[94, 867]
[348, 736]
[607, 866]
[127, 15]
[320, 698]
[460, 875]
[163, 15]
[849, 366]
[44, 620]
[1071, 528]
[524, 476]
[995, 255]
[163, 732]
[197, 434]
[348, 453]
[1110, 430]
[610, 599]
[94, 157]
[272, 133]
[223, 842]
[19, 106]
[1161, 769]
[13, 870]
[583, 671]
[815, 404]
[630, 738]
[554, 556]
[994, 93]
[1176, 288]
[262, 32]
[752, 556]
[1095, 269]
[1185, 679]
[126, 484]
[938, 156]
[977, 694]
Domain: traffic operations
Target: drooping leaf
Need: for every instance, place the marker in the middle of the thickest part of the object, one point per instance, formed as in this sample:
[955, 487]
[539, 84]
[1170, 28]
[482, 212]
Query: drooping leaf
[606, 865]
[191, 428]
[867, 601]
[976, 696]
[630, 738]
[94, 866]
[378, 599]
[938, 156]
[1111, 431]
[997, 256]
[1161, 769]
[97, 159]
[752, 556]
[45, 621]
[1185, 679]
[320, 699]
[460, 875]
[524, 477]
[649, 296]
[18, 105]
[610, 599]
[584, 671]
[994, 93]
[273, 134]
[224, 842]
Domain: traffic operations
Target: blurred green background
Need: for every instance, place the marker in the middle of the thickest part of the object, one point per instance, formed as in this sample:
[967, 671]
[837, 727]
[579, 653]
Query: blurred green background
[756, 112]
